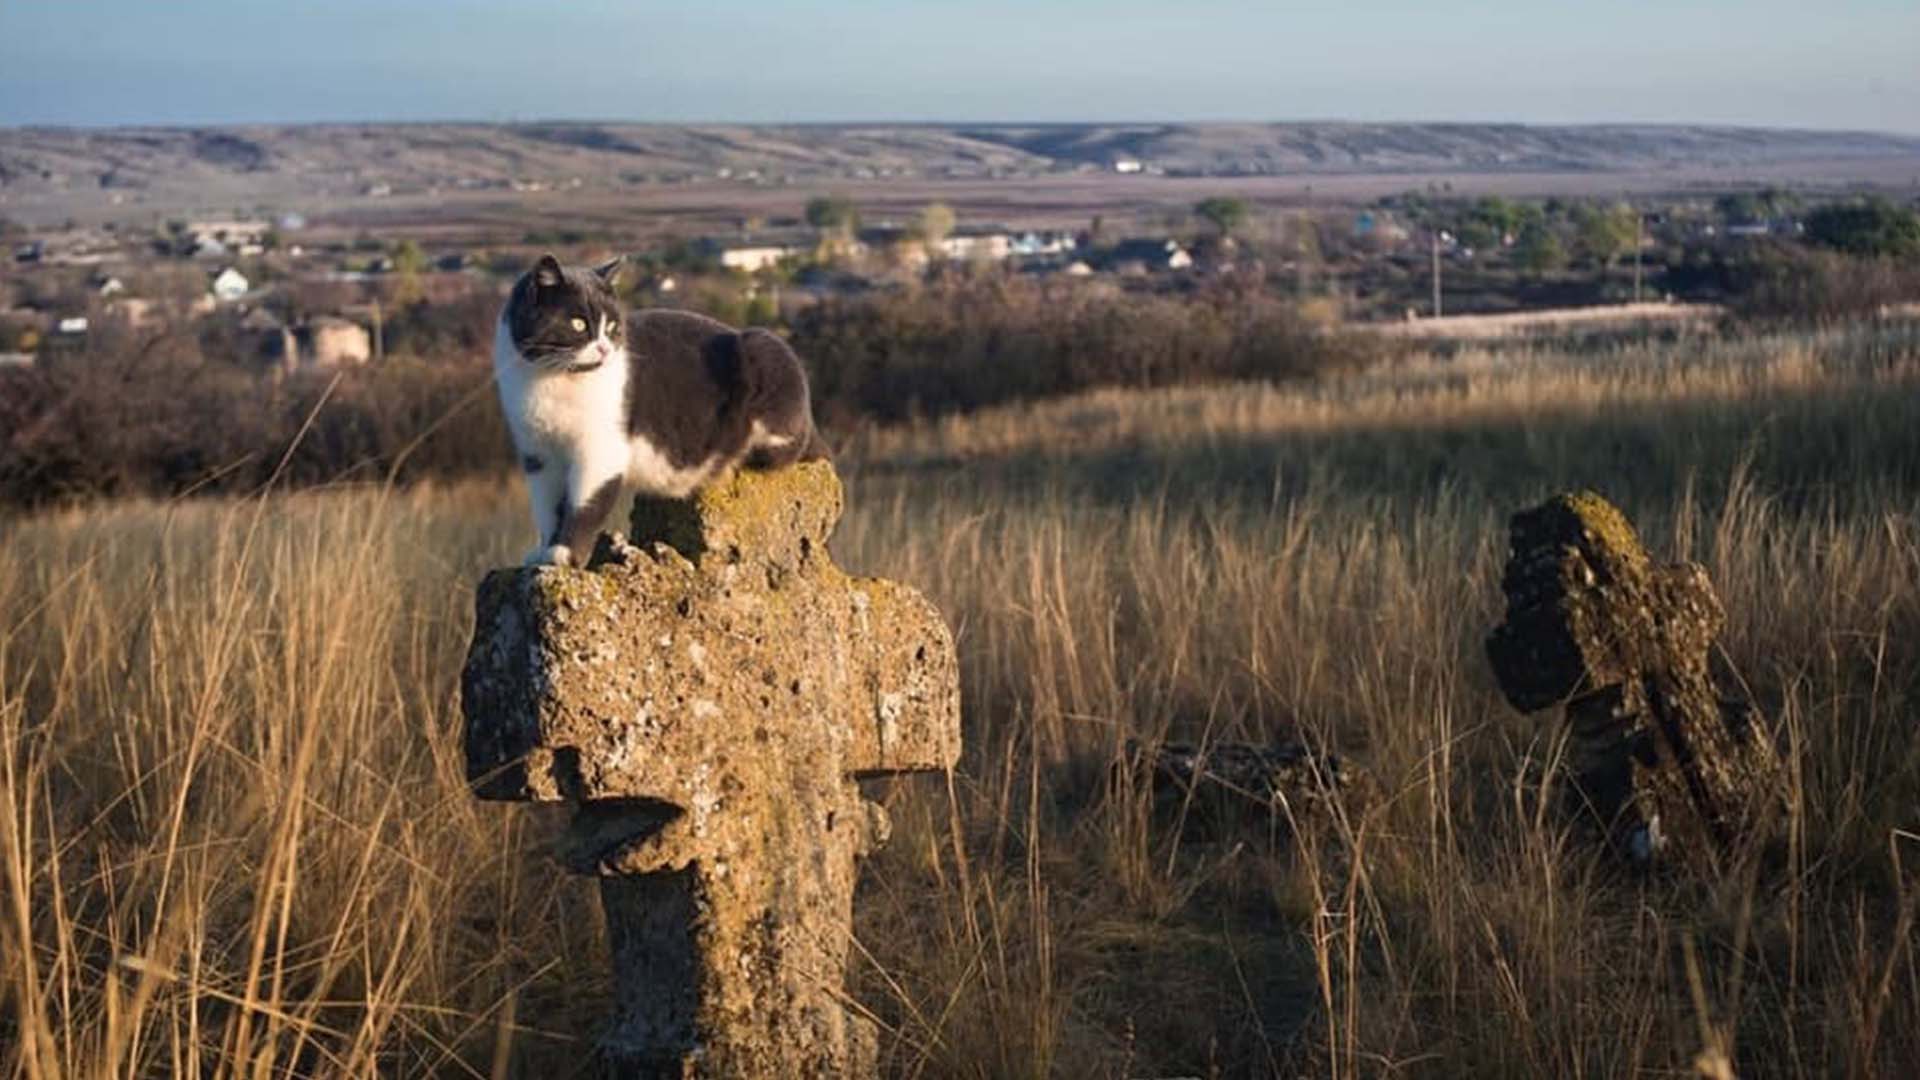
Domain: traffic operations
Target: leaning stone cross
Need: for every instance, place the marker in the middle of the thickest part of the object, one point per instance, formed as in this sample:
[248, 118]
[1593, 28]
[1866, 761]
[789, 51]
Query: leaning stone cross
[1594, 624]
[707, 699]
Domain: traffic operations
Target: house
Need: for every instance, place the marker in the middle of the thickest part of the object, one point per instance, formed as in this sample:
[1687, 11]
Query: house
[1142, 256]
[229, 285]
[1048, 244]
[72, 324]
[215, 239]
[106, 285]
[1127, 166]
[328, 341]
[977, 246]
[322, 342]
[751, 258]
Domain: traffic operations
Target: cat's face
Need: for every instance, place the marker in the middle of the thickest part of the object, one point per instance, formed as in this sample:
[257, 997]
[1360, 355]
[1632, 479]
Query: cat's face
[565, 318]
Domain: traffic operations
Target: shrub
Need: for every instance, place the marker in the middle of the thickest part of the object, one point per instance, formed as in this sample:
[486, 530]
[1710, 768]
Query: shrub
[968, 343]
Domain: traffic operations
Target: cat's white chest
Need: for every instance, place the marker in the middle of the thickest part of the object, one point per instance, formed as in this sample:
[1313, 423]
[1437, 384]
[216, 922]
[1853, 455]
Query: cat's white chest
[576, 424]
[568, 415]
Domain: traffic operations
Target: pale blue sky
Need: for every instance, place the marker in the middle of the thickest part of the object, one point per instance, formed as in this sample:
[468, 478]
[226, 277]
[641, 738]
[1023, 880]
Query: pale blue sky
[1814, 63]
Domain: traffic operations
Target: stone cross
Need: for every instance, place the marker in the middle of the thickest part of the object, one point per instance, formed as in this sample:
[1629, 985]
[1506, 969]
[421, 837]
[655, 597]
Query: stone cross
[1594, 624]
[707, 699]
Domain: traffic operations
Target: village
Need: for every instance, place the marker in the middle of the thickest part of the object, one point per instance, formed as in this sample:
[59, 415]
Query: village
[281, 294]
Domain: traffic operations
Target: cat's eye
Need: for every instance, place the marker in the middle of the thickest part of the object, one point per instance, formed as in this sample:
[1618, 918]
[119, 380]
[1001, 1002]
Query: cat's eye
[579, 325]
[613, 325]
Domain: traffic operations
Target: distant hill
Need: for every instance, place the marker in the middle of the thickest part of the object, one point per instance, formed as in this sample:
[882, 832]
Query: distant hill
[353, 159]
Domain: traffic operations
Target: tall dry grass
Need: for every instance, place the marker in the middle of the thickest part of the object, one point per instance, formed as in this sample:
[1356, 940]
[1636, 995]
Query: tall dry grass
[236, 839]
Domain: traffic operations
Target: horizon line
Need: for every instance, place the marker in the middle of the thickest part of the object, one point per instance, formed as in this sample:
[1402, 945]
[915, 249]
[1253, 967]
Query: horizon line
[108, 125]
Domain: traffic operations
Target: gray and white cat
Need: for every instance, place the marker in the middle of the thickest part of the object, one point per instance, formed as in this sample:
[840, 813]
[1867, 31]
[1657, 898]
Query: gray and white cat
[660, 402]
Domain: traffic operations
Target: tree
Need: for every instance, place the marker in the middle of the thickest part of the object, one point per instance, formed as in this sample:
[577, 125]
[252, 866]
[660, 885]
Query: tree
[1606, 233]
[933, 225]
[832, 213]
[1224, 212]
[1869, 228]
[408, 263]
[1539, 249]
[1755, 206]
[1497, 214]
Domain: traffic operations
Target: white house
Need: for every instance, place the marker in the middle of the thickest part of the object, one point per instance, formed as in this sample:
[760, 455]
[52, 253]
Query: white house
[1127, 166]
[753, 258]
[229, 285]
[985, 246]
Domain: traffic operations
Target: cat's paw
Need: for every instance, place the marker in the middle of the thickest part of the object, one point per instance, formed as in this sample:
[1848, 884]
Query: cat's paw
[551, 555]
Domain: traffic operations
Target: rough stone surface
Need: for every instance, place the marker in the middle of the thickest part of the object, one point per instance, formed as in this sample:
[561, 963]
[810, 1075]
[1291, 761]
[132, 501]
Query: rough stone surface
[708, 695]
[1593, 623]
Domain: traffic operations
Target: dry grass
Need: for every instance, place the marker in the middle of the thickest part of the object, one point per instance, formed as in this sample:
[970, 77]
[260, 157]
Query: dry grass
[235, 837]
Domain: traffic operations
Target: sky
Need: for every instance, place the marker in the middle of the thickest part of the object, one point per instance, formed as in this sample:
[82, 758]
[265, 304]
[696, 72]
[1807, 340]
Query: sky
[1839, 64]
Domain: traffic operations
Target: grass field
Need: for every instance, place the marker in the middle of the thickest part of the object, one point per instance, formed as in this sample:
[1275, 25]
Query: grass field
[235, 837]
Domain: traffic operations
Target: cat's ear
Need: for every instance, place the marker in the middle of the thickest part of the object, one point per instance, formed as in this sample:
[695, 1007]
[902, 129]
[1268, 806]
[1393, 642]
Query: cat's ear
[609, 272]
[546, 272]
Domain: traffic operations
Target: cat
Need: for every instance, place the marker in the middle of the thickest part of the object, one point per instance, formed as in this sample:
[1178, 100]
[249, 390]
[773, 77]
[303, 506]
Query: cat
[660, 402]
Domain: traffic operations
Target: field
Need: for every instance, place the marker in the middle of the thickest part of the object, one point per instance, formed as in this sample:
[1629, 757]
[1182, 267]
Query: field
[473, 183]
[235, 837]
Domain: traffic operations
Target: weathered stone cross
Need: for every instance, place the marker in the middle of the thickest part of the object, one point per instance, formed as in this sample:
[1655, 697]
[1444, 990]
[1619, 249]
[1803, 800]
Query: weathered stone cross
[708, 699]
[1594, 624]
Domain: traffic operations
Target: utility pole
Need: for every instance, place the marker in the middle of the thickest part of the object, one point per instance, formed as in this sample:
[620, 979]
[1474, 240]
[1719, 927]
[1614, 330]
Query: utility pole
[1436, 273]
[1639, 242]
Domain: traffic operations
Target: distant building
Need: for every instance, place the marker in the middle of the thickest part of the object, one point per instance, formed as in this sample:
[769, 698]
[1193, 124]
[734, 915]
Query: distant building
[1128, 166]
[106, 285]
[984, 246]
[327, 342]
[16, 359]
[72, 324]
[1043, 244]
[321, 343]
[752, 258]
[229, 285]
[1141, 256]
[218, 238]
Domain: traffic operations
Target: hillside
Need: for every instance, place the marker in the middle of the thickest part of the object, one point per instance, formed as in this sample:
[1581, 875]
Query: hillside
[38, 164]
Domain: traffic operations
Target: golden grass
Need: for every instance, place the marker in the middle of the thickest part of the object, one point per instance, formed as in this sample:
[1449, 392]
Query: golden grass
[235, 839]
